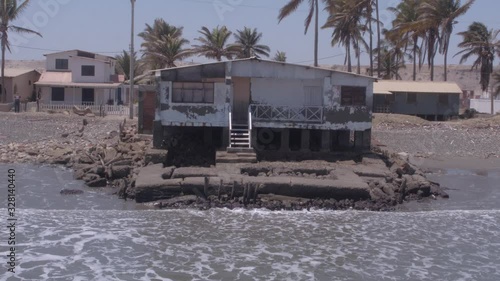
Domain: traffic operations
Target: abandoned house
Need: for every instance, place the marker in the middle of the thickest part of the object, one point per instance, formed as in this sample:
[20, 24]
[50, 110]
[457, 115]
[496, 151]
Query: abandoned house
[266, 105]
[434, 101]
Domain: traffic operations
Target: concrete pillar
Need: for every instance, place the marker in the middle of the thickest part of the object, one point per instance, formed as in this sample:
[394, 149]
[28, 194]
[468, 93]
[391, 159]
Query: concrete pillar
[225, 137]
[207, 136]
[367, 139]
[344, 139]
[285, 140]
[157, 134]
[305, 140]
[325, 141]
[358, 139]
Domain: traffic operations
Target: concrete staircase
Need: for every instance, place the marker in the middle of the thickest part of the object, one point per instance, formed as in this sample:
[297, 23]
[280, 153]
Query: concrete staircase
[236, 155]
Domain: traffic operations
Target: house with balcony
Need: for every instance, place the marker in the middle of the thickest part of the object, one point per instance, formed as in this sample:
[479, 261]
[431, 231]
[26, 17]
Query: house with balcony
[254, 104]
[78, 77]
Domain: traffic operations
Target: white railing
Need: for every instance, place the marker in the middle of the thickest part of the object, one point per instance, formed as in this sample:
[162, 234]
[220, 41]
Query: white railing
[230, 125]
[250, 126]
[270, 113]
[120, 110]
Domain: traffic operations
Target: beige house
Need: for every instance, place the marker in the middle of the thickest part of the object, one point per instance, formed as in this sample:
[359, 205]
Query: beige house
[21, 82]
[78, 77]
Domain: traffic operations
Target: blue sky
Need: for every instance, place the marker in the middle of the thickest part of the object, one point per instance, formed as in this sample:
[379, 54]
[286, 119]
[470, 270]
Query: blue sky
[104, 25]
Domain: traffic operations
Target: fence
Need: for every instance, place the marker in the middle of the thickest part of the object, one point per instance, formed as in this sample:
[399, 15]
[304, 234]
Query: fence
[484, 105]
[120, 110]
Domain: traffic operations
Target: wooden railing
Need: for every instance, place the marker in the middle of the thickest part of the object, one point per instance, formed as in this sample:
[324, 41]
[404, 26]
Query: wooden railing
[270, 113]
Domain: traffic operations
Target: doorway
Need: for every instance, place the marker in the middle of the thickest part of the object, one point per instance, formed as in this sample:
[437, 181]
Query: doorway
[88, 97]
[241, 99]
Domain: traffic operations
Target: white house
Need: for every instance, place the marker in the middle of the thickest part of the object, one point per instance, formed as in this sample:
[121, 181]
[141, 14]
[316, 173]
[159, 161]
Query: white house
[266, 105]
[80, 78]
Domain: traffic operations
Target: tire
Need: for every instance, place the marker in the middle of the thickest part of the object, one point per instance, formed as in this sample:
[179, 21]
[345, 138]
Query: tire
[265, 136]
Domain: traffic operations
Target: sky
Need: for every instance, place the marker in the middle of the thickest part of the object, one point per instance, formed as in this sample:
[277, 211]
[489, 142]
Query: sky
[103, 26]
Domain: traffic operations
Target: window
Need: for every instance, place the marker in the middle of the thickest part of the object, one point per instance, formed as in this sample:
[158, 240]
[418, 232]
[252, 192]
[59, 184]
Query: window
[62, 64]
[193, 92]
[411, 98]
[353, 96]
[88, 70]
[57, 94]
[443, 99]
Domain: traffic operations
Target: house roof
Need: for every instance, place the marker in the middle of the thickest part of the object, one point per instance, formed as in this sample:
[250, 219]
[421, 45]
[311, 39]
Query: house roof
[268, 61]
[14, 72]
[388, 87]
[64, 79]
[78, 50]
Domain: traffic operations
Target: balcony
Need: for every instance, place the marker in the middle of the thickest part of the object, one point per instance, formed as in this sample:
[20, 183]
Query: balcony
[300, 114]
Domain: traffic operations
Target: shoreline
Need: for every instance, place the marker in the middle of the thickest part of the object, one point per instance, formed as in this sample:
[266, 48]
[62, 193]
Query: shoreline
[108, 152]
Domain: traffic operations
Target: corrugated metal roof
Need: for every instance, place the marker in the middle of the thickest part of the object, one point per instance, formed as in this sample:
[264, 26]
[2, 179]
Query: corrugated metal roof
[14, 72]
[384, 87]
[64, 79]
[268, 61]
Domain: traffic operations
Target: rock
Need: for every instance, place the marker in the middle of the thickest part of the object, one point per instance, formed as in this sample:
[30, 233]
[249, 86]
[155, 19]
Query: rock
[90, 177]
[90, 115]
[167, 174]
[79, 174]
[156, 156]
[110, 154]
[97, 183]
[119, 172]
[65, 135]
[61, 160]
[98, 170]
[71, 192]
[376, 194]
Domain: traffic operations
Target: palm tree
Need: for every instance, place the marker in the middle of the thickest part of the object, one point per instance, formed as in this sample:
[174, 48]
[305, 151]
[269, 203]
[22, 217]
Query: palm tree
[345, 19]
[161, 44]
[247, 43]
[280, 56]
[437, 17]
[313, 12]
[481, 42]
[214, 43]
[404, 29]
[123, 65]
[391, 60]
[10, 11]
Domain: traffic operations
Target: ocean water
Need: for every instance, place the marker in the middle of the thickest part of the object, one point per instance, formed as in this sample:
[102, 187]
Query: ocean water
[96, 236]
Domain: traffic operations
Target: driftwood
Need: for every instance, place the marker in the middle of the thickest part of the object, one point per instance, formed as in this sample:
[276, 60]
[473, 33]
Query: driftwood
[81, 112]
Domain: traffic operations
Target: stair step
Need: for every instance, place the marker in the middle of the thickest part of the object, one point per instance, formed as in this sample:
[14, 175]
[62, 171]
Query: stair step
[234, 150]
[241, 138]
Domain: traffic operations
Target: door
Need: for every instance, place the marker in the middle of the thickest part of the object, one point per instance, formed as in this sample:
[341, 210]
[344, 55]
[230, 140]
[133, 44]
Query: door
[88, 97]
[241, 99]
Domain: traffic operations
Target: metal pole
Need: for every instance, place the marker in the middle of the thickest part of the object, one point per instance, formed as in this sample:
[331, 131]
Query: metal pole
[131, 94]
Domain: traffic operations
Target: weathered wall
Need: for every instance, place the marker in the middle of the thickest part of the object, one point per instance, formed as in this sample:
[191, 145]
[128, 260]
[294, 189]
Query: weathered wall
[194, 114]
[24, 84]
[427, 104]
[281, 92]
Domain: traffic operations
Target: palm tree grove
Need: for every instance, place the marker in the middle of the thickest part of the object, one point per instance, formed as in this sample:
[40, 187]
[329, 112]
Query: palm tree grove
[418, 32]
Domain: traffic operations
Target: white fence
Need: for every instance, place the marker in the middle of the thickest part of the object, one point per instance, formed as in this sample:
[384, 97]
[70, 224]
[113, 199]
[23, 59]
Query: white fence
[484, 105]
[96, 109]
[269, 113]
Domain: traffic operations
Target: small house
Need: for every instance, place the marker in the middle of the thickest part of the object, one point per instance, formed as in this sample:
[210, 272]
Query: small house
[20, 82]
[266, 105]
[428, 100]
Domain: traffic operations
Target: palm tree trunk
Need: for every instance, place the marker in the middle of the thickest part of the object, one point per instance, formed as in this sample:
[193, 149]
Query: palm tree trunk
[378, 36]
[348, 50]
[446, 63]
[316, 33]
[358, 54]
[370, 28]
[415, 59]
[3, 89]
